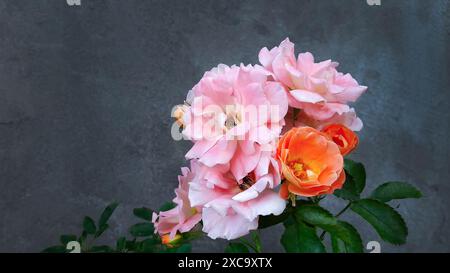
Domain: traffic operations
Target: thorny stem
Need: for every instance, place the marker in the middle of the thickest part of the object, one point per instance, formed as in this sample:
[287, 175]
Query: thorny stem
[293, 198]
[337, 215]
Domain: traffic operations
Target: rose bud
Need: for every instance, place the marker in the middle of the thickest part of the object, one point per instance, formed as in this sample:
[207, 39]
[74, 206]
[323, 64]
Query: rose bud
[345, 138]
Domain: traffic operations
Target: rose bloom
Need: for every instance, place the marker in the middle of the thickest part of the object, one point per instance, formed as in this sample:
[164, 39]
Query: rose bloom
[231, 207]
[233, 115]
[183, 217]
[318, 89]
[311, 163]
[345, 138]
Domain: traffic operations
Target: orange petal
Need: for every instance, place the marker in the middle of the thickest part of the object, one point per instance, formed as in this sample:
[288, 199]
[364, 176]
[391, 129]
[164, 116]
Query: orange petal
[345, 138]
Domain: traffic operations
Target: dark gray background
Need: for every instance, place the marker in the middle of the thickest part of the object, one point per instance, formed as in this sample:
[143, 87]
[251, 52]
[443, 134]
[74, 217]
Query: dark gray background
[86, 94]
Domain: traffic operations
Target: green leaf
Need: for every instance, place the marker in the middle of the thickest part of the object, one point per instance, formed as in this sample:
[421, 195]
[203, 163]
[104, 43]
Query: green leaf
[106, 214]
[64, 239]
[318, 216]
[257, 241]
[301, 238]
[149, 245]
[167, 206]
[349, 191]
[395, 190]
[185, 248]
[315, 215]
[387, 222]
[101, 229]
[289, 221]
[121, 244]
[346, 239]
[236, 248]
[83, 237]
[131, 245]
[55, 249]
[142, 229]
[143, 213]
[357, 172]
[89, 225]
[192, 235]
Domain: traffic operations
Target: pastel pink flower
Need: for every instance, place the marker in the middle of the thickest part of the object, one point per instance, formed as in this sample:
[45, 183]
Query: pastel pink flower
[183, 217]
[231, 207]
[234, 115]
[318, 89]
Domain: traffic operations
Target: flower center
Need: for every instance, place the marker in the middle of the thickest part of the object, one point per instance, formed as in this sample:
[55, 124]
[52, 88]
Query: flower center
[246, 182]
[233, 117]
[302, 171]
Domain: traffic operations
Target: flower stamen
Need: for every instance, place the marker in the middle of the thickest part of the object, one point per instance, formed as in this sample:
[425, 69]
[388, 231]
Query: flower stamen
[302, 171]
[246, 183]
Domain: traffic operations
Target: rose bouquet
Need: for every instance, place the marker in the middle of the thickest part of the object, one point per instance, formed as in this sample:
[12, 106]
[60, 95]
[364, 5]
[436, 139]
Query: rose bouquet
[269, 142]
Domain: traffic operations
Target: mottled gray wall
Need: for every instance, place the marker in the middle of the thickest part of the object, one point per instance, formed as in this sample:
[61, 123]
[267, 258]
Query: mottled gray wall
[86, 94]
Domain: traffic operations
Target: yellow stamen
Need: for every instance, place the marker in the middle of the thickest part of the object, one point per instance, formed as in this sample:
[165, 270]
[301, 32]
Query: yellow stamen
[302, 171]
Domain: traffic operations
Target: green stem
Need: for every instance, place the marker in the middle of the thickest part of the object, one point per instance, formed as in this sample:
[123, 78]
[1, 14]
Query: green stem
[337, 215]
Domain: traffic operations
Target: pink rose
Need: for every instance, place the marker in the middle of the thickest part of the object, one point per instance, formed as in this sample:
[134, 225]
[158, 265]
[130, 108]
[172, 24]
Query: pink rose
[318, 89]
[231, 207]
[234, 115]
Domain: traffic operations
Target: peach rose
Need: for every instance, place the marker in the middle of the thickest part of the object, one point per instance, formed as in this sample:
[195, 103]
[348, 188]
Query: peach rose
[345, 138]
[311, 163]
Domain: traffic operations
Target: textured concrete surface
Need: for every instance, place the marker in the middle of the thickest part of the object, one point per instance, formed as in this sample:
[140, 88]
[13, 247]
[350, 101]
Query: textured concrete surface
[86, 94]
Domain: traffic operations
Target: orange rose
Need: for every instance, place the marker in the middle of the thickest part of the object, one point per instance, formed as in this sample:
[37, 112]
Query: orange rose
[345, 138]
[170, 242]
[311, 163]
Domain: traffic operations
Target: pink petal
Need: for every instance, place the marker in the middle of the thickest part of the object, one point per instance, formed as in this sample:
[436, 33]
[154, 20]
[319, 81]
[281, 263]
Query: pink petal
[254, 190]
[230, 227]
[242, 164]
[306, 96]
[200, 148]
[190, 223]
[268, 202]
[280, 71]
[278, 99]
[220, 153]
[261, 135]
[305, 61]
[351, 94]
